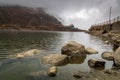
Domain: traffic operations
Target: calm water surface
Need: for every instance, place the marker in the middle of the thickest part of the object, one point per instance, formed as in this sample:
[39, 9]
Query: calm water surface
[31, 68]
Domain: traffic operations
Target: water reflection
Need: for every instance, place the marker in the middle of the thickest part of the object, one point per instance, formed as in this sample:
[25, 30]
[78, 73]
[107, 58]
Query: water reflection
[14, 42]
[77, 59]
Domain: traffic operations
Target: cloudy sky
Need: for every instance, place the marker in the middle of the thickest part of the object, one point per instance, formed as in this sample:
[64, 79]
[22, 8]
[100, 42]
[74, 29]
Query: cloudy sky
[81, 13]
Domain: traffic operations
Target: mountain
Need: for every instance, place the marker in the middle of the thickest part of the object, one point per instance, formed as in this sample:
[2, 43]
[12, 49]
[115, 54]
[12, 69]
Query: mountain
[26, 18]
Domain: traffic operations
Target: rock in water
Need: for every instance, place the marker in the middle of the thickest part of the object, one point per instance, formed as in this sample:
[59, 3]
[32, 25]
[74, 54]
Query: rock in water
[77, 76]
[91, 51]
[31, 52]
[55, 59]
[19, 56]
[107, 55]
[117, 57]
[96, 63]
[52, 71]
[72, 48]
[110, 71]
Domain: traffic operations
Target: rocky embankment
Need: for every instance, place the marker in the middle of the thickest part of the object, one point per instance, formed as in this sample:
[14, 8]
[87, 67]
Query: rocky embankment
[27, 18]
[110, 31]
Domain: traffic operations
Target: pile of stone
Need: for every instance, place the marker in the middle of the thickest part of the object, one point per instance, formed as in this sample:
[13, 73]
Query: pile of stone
[72, 52]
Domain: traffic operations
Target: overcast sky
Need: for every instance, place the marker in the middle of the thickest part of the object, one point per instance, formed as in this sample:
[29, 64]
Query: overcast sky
[81, 13]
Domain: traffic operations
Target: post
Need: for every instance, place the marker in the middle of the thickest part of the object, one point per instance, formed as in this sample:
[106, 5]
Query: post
[110, 27]
[110, 14]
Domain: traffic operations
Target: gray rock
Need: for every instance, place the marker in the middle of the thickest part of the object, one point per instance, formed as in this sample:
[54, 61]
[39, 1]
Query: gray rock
[96, 63]
[117, 57]
[55, 59]
[72, 48]
[107, 55]
[91, 51]
[52, 71]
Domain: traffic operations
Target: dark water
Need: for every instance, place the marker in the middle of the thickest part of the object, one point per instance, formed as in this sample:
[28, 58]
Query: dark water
[31, 68]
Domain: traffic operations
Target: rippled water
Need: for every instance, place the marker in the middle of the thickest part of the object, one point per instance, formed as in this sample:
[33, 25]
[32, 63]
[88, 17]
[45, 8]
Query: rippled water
[31, 68]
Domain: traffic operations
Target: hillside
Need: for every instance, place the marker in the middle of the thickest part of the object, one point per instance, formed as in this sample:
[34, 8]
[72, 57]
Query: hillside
[26, 18]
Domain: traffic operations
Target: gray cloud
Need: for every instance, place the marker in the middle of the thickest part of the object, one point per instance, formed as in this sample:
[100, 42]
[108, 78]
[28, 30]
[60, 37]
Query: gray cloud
[81, 13]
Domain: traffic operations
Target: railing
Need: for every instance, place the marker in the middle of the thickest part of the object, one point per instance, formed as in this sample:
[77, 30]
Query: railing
[108, 22]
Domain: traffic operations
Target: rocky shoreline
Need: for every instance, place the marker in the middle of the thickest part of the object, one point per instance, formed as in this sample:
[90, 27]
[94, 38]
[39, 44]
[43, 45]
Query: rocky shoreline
[109, 31]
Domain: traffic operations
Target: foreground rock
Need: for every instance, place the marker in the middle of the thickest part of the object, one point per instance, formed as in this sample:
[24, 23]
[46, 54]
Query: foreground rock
[91, 51]
[52, 71]
[29, 53]
[117, 57]
[72, 48]
[96, 63]
[55, 59]
[107, 55]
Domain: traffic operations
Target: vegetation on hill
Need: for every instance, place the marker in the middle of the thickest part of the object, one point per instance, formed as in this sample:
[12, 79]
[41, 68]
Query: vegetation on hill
[26, 18]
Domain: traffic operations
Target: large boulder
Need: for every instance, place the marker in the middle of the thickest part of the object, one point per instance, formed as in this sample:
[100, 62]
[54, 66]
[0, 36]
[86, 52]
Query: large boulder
[117, 57]
[96, 63]
[55, 59]
[91, 51]
[107, 55]
[72, 48]
[52, 71]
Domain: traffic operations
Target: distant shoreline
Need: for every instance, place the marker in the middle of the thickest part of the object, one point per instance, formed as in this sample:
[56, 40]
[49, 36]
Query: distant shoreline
[22, 30]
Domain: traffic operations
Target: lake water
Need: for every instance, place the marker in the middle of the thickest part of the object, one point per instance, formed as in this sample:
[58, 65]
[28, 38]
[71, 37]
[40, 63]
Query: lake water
[31, 68]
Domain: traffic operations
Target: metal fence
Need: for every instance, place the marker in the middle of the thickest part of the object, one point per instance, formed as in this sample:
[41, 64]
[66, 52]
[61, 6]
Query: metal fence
[116, 19]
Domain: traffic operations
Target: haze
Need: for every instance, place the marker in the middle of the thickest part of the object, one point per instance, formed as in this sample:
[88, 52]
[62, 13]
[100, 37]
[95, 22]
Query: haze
[81, 13]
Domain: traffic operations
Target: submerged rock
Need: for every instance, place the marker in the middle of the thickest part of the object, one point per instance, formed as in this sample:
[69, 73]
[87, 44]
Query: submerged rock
[107, 55]
[28, 53]
[117, 57]
[55, 59]
[77, 76]
[109, 71]
[91, 51]
[77, 59]
[81, 74]
[96, 63]
[52, 71]
[72, 48]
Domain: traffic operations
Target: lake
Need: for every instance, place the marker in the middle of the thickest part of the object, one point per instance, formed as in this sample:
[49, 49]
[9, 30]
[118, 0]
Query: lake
[31, 68]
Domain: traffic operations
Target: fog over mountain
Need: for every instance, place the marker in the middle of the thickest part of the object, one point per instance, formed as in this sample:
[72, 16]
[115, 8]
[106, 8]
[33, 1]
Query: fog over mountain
[81, 13]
